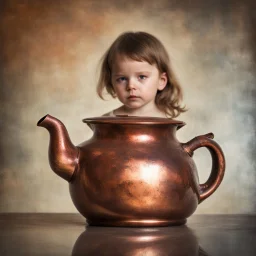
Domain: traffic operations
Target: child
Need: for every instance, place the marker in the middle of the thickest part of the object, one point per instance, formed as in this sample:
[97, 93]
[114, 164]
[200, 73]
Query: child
[136, 69]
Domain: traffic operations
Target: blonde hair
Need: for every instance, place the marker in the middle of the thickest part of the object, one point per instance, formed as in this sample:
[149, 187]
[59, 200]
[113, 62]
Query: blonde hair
[141, 46]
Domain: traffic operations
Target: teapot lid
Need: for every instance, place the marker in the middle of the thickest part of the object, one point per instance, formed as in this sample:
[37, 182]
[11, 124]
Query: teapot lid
[125, 119]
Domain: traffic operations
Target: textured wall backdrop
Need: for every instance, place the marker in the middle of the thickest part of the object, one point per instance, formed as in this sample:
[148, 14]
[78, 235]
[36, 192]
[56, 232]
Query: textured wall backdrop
[49, 55]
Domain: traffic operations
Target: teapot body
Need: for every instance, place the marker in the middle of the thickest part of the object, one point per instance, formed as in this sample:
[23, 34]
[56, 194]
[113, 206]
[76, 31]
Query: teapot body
[133, 171]
[134, 174]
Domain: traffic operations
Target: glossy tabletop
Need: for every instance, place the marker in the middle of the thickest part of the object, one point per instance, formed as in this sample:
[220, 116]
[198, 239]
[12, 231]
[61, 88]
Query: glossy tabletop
[67, 234]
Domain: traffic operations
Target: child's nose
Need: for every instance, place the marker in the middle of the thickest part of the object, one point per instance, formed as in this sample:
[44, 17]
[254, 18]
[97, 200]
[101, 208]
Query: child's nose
[131, 85]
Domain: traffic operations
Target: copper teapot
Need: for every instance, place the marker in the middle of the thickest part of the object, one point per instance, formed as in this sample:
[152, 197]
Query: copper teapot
[133, 171]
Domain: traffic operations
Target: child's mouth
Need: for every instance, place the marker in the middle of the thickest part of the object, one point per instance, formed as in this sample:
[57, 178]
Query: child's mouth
[133, 97]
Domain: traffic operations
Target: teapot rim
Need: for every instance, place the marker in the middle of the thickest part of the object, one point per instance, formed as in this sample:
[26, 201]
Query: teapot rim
[123, 119]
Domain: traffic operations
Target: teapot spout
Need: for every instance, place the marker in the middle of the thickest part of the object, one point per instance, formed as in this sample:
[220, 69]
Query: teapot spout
[63, 155]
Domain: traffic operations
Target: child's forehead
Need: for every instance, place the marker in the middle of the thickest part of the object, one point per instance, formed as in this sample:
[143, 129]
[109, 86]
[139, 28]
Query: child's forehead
[118, 58]
[126, 64]
[123, 59]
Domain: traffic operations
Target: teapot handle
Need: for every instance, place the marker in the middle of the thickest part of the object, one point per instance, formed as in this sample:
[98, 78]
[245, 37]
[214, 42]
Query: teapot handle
[218, 163]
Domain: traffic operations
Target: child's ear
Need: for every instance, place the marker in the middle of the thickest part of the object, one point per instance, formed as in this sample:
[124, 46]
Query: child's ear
[162, 81]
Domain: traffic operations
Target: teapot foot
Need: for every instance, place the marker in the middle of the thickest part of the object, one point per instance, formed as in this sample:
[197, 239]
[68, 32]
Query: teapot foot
[136, 223]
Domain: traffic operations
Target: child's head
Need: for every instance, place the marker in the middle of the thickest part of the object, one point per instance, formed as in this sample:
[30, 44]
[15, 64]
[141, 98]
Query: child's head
[141, 46]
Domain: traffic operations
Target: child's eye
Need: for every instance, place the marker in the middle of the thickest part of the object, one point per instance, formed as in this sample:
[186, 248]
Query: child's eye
[142, 77]
[121, 79]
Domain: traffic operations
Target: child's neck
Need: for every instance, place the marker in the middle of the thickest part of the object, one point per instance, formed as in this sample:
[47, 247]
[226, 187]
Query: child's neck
[152, 111]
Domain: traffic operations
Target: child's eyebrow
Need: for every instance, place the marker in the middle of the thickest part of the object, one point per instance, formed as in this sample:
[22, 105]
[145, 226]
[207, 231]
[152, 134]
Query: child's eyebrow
[118, 74]
[144, 72]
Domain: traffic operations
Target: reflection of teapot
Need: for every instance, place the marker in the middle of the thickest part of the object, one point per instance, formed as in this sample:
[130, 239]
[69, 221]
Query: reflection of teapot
[133, 171]
[174, 241]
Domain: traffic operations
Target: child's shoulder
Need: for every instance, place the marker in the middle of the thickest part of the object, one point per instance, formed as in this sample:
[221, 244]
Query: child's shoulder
[111, 113]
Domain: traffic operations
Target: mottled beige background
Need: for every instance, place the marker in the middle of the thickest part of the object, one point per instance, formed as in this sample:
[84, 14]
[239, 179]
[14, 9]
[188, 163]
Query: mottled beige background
[49, 56]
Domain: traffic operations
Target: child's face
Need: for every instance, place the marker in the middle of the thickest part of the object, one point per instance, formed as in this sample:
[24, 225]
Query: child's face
[136, 82]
